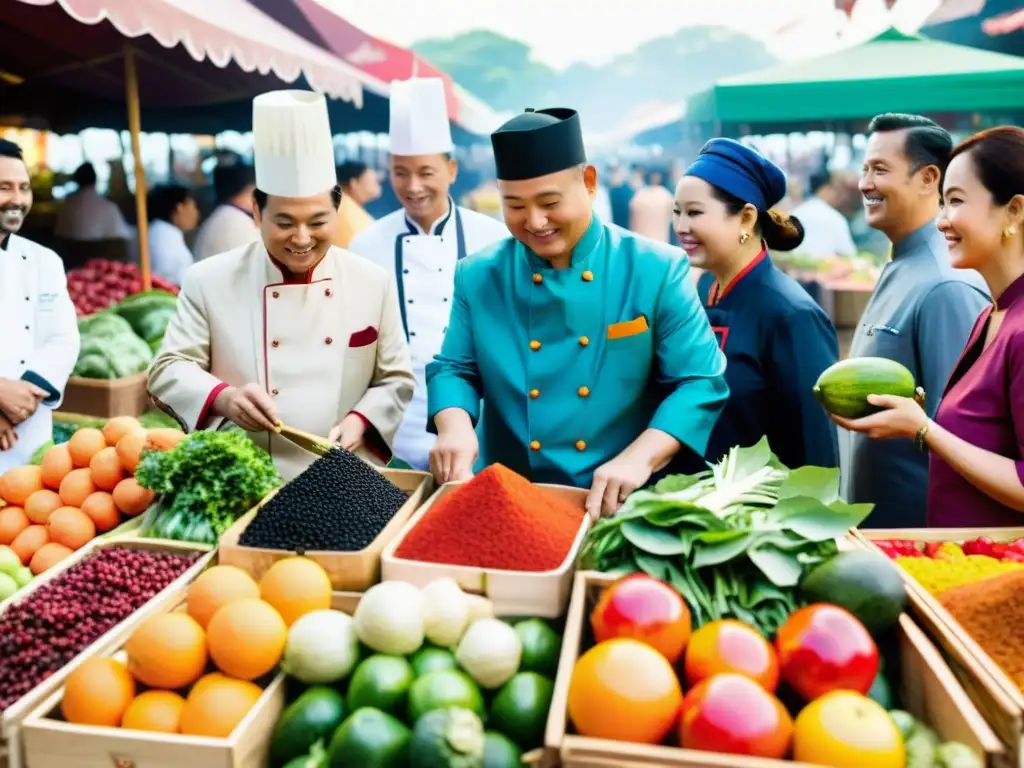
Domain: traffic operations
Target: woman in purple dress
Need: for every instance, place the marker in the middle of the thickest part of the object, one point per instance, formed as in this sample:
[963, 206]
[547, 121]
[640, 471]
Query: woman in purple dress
[976, 442]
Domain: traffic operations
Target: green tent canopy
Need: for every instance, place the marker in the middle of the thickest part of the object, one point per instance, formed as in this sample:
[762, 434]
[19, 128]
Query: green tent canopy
[893, 72]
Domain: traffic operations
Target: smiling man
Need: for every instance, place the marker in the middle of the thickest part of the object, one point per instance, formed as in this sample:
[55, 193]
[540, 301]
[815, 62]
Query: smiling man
[920, 314]
[587, 344]
[289, 328]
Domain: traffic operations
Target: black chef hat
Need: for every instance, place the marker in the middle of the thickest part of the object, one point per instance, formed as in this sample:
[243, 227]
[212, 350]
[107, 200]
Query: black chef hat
[536, 144]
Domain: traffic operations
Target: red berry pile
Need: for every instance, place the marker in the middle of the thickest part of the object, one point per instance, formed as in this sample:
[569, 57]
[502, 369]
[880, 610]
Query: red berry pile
[59, 620]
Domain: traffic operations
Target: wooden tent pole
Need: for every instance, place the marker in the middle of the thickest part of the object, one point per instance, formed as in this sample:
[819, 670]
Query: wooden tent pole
[131, 84]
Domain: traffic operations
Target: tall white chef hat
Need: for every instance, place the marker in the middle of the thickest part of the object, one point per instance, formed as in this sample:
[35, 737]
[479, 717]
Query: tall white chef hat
[293, 149]
[419, 117]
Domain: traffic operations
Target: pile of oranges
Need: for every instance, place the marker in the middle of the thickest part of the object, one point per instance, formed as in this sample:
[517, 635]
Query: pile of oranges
[197, 670]
[82, 488]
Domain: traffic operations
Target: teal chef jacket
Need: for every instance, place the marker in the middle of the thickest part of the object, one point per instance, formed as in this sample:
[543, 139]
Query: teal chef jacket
[572, 365]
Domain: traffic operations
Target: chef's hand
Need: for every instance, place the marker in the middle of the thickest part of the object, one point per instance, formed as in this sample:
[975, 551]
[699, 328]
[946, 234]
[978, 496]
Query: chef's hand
[250, 407]
[902, 417]
[456, 449]
[8, 435]
[349, 433]
[614, 481]
[19, 399]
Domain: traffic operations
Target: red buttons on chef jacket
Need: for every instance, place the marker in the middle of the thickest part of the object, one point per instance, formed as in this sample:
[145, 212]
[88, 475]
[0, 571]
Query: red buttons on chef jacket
[587, 276]
[276, 295]
[328, 340]
[535, 445]
[538, 278]
[274, 392]
[275, 343]
[584, 341]
[534, 345]
[534, 393]
[327, 292]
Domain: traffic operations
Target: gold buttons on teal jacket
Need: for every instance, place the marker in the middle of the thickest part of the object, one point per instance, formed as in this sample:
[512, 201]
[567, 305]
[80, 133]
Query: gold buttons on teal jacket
[584, 341]
[580, 445]
[587, 276]
[535, 445]
[583, 391]
[534, 393]
[538, 278]
[534, 345]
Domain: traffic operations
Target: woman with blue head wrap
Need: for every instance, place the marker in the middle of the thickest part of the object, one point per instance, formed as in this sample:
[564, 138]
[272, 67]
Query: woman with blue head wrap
[776, 339]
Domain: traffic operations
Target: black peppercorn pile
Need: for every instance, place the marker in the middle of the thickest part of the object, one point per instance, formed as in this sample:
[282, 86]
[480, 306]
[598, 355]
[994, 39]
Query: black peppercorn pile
[339, 504]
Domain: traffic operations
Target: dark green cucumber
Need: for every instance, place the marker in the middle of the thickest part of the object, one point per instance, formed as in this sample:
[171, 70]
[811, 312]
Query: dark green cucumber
[843, 388]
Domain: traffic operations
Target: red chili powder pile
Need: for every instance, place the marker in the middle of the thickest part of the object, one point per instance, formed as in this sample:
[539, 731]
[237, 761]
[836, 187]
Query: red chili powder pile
[496, 520]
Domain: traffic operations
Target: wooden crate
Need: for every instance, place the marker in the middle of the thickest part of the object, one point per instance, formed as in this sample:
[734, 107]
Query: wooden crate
[351, 571]
[104, 398]
[12, 718]
[991, 689]
[930, 692]
[50, 742]
[519, 593]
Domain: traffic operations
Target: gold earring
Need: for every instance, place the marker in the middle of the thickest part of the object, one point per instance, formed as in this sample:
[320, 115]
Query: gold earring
[744, 237]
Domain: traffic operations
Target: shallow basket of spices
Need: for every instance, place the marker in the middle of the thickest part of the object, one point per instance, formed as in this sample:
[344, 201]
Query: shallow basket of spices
[498, 516]
[991, 688]
[52, 742]
[930, 692]
[98, 571]
[356, 570]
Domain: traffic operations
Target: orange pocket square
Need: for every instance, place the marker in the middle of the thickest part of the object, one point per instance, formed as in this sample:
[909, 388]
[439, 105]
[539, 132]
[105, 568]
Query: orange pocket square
[628, 328]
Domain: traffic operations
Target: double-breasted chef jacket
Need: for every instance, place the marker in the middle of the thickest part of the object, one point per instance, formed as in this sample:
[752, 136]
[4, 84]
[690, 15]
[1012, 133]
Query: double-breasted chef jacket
[423, 264]
[325, 345]
[40, 336]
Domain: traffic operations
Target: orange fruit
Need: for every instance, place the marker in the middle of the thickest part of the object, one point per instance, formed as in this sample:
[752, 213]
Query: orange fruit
[158, 711]
[85, 444]
[76, 487]
[728, 645]
[13, 521]
[118, 427]
[106, 470]
[296, 586]
[55, 465]
[71, 527]
[215, 588]
[624, 690]
[40, 504]
[18, 483]
[102, 511]
[48, 556]
[205, 680]
[218, 707]
[131, 498]
[163, 438]
[97, 693]
[731, 713]
[845, 729]
[645, 609]
[28, 542]
[167, 651]
[129, 449]
[246, 638]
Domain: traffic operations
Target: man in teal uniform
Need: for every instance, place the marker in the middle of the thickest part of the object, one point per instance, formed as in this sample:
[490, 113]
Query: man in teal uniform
[587, 344]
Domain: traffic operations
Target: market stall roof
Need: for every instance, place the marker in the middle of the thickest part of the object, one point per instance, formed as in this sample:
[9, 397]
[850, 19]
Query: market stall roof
[54, 48]
[382, 60]
[892, 72]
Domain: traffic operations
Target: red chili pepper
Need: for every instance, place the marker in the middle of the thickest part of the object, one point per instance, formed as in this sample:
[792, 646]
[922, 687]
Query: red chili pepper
[931, 548]
[970, 547]
[1018, 545]
[1013, 557]
[985, 545]
[999, 550]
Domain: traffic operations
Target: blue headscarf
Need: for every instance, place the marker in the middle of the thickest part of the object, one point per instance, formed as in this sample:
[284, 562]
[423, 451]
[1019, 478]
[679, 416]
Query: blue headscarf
[740, 171]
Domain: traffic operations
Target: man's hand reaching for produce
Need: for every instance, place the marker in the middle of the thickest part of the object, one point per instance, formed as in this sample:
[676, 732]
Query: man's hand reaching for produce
[250, 407]
[349, 433]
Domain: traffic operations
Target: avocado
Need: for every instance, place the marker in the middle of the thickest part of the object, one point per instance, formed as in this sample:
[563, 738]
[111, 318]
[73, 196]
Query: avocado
[843, 388]
[866, 584]
[370, 738]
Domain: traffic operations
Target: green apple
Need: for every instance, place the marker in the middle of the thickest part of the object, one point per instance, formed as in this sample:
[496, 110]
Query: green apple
[23, 576]
[7, 586]
[9, 562]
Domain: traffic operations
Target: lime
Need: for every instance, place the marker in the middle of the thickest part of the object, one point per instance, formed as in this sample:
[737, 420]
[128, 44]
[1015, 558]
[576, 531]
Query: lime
[370, 738]
[520, 710]
[430, 658]
[541, 647]
[442, 689]
[311, 717]
[382, 682]
[500, 752]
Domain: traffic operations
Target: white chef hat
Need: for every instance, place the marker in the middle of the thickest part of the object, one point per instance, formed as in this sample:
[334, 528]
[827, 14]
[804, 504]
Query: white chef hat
[419, 117]
[293, 149]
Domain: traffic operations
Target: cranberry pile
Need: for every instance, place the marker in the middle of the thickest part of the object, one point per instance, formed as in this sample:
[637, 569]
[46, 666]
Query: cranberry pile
[56, 622]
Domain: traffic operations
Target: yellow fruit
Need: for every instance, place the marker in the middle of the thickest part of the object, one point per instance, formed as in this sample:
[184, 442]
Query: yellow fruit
[843, 729]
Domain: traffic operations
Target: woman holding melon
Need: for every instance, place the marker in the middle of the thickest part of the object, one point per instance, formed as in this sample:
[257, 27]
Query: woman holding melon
[776, 339]
[976, 441]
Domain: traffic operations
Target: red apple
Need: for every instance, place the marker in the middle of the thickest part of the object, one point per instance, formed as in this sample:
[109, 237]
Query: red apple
[734, 715]
[645, 609]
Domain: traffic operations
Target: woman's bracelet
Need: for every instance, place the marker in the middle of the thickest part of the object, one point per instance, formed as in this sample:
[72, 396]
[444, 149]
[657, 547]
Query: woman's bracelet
[919, 438]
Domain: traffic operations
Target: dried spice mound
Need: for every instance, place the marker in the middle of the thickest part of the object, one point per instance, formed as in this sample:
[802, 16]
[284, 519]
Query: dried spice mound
[992, 613]
[339, 504]
[54, 623]
[496, 520]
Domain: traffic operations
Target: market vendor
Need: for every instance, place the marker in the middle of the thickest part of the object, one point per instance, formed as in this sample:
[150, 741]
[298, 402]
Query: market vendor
[588, 344]
[776, 338]
[289, 328]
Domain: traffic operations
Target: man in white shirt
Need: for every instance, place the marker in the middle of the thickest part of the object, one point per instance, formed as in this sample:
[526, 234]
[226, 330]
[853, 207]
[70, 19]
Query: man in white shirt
[172, 214]
[231, 224]
[86, 215]
[826, 230]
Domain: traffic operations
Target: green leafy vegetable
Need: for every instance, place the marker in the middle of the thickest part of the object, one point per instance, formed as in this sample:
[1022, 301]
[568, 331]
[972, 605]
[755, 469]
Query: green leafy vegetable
[734, 540]
[204, 484]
